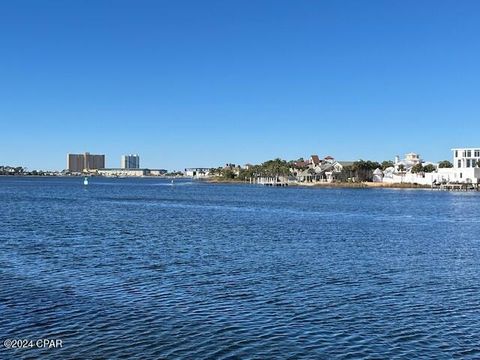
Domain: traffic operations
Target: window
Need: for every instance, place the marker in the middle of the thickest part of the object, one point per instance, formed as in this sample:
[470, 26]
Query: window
[456, 153]
[459, 163]
[461, 175]
[469, 153]
[477, 153]
[468, 162]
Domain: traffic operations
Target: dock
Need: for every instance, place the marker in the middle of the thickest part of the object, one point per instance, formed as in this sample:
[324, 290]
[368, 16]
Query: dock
[454, 186]
[272, 181]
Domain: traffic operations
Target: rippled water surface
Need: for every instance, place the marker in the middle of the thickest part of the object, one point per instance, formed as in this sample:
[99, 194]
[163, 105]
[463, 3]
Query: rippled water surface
[142, 269]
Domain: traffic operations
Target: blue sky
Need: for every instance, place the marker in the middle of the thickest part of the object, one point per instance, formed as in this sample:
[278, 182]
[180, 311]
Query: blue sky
[201, 83]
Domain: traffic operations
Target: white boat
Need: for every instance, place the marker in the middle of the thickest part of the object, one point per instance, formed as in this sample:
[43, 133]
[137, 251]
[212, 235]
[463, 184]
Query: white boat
[85, 181]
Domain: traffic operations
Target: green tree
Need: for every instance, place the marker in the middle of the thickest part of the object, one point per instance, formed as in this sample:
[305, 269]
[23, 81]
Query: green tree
[445, 164]
[347, 174]
[386, 164]
[417, 168]
[401, 168]
[228, 174]
[218, 172]
[429, 168]
[250, 173]
[478, 163]
[276, 167]
[364, 169]
[271, 168]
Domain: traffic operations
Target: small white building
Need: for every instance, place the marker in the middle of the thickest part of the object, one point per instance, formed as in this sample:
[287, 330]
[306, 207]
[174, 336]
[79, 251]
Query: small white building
[197, 172]
[377, 175]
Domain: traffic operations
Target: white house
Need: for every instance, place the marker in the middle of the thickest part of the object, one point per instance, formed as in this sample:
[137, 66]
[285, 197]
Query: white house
[465, 169]
[410, 160]
[465, 158]
[197, 172]
[378, 175]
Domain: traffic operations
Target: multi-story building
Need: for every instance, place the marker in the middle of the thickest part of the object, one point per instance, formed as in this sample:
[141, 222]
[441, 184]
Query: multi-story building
[466, 157]
[87, 161]
[411, 159]
[75, 162]
[93, 162]
[130, 162]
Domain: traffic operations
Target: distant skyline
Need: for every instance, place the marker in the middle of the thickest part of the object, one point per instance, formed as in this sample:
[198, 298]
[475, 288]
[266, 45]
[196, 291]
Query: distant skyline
[202, 83]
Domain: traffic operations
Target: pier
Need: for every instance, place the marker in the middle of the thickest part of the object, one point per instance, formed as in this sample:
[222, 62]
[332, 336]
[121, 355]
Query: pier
[453, 186]
[272, 181]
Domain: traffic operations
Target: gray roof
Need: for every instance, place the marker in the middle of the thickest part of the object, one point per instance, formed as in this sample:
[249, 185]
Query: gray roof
[346, 163]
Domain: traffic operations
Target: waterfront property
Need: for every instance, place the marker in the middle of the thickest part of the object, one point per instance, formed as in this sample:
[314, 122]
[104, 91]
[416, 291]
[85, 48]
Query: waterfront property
[197, 172]
[464, 158]
[308, 172]
[412, 169]
[273, 180]
[85, 162]
[316, 169]
[411, 159]
[404, 171]
[465, 170]
[466, 167]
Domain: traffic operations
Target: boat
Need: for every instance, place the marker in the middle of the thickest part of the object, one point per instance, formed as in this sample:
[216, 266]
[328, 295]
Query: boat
[85, 181]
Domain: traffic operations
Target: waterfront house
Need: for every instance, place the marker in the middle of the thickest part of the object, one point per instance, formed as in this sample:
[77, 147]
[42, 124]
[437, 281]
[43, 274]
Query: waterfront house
[465, 158]
[314, 160]
[197, 172]
[411, 159]
[465, 169]
[402, 171]
[316, 170]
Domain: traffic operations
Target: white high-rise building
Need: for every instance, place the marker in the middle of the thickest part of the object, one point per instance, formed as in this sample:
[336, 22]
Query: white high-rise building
[130, 162]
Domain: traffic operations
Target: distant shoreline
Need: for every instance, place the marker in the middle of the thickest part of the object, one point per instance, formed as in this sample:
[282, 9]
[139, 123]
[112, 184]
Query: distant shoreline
[347, 185]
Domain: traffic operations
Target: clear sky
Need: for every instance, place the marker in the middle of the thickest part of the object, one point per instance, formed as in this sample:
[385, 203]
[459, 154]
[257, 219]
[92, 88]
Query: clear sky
[202, 83]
